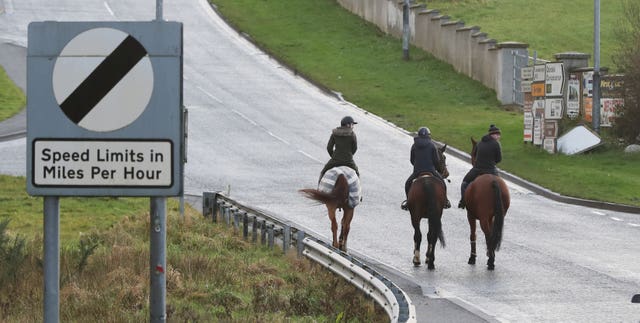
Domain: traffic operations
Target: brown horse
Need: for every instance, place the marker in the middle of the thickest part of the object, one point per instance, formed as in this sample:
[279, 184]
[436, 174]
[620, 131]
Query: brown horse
[487, 200]
[426, 200]
[337, 199]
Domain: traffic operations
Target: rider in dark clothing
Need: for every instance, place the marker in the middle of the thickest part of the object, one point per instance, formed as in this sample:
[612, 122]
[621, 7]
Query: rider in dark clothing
[488, 154]
[424, 158]
[342, 145]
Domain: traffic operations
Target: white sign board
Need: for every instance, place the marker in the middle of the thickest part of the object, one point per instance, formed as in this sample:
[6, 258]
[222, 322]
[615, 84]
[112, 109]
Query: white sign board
[577, 140]
[554, 79]
[538, 73]
[553, 109]
[102, 163]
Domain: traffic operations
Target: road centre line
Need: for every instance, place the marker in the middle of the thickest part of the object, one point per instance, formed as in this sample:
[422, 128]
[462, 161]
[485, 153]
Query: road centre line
[208, 94]
[309, 156]
[106, 5]
[274, 136]
[244, 117]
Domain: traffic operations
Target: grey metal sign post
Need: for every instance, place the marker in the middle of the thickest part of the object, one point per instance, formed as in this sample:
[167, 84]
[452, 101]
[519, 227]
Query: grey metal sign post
[105, 118]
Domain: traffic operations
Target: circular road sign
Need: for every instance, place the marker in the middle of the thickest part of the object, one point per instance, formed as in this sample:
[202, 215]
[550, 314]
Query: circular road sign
[103, 79]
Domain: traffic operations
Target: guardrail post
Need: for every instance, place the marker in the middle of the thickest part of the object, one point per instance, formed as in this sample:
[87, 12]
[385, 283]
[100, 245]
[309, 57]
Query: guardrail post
[209, 203]
[263, 231]
[286, 238]
[270, 229]
[245, 225]
[300, 243]
[254, 229]
[236, 221]
[227, 216]
[220, 211]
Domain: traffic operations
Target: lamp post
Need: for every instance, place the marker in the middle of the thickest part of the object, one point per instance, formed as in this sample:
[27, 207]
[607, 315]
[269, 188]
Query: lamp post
[595, 110]
[405, 30]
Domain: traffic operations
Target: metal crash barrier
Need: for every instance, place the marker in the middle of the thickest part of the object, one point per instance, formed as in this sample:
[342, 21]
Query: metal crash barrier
[271, 231]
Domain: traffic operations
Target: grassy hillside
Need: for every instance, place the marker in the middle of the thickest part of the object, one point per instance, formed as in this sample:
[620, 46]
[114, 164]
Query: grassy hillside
[344, 53]
[549, 27]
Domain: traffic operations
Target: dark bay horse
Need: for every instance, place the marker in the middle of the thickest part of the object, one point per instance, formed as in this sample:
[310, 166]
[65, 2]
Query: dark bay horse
[426, 200]
[487, 200]
[337, 198]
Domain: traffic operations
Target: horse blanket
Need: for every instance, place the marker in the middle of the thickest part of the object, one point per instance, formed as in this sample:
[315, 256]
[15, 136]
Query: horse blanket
[331, 176]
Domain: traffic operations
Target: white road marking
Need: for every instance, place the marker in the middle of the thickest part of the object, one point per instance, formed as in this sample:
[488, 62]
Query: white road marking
[310, 157]
[209, 94]
[245, 117]
[597, 212]
[634, 224]
[616, 219]
[106, 5]
[274, 136]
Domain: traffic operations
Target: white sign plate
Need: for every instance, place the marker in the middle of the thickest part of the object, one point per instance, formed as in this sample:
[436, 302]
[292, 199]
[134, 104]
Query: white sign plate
[554, 79]
[88, 163]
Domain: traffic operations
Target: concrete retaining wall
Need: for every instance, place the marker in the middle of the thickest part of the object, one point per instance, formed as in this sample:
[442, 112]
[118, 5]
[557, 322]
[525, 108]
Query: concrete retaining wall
[468, 50]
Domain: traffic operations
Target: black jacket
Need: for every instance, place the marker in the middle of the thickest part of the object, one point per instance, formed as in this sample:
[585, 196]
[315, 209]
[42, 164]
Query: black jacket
[488, 153]
[424, 155]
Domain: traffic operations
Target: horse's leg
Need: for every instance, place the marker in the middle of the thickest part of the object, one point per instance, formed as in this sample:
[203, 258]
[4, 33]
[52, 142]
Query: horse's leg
[334, 225]
[417, 239]
[472, 238]
[432, 238]
[346, 226]
[491, 252]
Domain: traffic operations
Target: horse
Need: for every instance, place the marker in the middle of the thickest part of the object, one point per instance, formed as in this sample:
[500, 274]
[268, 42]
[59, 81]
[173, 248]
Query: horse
[337, 198]
[487, 200]
[426, 200]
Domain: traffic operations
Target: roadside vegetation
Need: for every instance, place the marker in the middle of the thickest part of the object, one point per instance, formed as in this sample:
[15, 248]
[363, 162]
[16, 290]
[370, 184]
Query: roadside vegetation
[549, 27]
[12, 100]
[212, 274]
[339, 51]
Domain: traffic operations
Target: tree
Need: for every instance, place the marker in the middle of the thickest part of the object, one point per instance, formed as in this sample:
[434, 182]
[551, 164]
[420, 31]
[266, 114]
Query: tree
[628, 59]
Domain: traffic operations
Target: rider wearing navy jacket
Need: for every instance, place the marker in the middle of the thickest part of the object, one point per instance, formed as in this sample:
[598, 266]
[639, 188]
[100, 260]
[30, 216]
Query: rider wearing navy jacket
[424, 158]
[488, 154]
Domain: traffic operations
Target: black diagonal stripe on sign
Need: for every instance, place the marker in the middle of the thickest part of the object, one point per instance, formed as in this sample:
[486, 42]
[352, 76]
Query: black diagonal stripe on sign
[114, 67]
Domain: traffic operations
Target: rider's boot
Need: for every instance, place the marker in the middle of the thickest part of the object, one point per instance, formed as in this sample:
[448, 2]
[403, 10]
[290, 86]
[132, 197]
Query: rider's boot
[463, 188]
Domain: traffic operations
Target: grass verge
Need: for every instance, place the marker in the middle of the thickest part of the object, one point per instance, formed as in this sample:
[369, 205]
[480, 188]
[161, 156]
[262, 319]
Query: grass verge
[212, 274]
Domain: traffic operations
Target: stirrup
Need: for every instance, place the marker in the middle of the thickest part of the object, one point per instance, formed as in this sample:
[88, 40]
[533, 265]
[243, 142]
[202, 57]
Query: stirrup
[404, 205]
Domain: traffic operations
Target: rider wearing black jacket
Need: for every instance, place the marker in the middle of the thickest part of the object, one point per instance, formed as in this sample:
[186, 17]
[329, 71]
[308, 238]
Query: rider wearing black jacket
[488, 154]
[424, 158]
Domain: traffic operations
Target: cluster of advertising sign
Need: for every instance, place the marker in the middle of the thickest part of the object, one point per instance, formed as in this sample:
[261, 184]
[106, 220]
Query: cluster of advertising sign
[552, 94]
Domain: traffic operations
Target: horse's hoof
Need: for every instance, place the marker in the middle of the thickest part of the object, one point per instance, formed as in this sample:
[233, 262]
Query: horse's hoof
[491, 267]
[472, 261]
[416, 262]
[431, 266]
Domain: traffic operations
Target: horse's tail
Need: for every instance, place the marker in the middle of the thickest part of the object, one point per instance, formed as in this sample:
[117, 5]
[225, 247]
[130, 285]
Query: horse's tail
[435, 217]
[498, 218]
[339, 191]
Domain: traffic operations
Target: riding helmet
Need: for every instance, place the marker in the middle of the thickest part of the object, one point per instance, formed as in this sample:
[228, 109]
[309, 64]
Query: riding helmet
[423, 132]
[347, 120]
